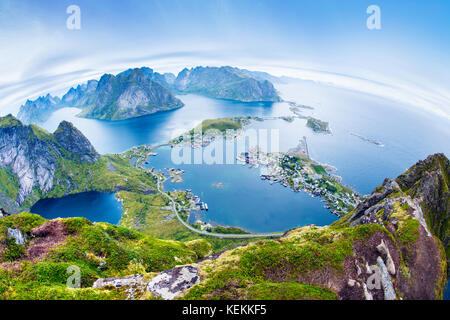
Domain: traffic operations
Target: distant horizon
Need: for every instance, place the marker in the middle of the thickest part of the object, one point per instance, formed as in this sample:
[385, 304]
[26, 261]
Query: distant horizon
[330, 79]
[405, 60]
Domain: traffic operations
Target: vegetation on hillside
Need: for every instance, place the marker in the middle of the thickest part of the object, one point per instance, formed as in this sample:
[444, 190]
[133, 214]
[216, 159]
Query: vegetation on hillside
[38, 269]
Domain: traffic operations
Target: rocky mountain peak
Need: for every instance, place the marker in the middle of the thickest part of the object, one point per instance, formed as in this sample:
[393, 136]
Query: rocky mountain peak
[74, 141]
[37, 110]
[428, 182]
[31, 155]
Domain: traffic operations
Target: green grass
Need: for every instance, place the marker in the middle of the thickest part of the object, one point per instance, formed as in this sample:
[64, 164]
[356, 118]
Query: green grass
[270, 269]
[99, 250]
[319, 169]
[288, 291]
[9, 121]
[9, 184]
[228, 230]
[408, 231]
[220, 124]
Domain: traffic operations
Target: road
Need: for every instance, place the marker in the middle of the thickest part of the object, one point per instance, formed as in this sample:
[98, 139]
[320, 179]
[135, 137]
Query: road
[218, 235]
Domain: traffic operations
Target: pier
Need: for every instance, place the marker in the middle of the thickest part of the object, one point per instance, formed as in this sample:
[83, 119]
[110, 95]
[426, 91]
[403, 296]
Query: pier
[306, 146]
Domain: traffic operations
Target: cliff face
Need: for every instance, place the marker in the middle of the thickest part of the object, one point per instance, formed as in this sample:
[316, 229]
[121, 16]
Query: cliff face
[225, 83]
[130, 94]
[30, 155]
[427, 182]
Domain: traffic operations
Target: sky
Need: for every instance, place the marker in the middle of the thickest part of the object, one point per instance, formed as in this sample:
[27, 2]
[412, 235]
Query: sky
[407, 60]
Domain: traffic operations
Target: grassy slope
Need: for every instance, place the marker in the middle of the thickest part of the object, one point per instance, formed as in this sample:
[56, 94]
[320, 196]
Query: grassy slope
[278, 263]
[144, 213]
[99, 250]
[220, 124]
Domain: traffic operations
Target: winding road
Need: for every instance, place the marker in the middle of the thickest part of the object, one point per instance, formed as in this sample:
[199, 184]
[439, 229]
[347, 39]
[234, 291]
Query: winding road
[218, 235]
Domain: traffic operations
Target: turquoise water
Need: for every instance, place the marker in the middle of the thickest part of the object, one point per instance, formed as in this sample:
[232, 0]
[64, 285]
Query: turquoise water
[95, 206]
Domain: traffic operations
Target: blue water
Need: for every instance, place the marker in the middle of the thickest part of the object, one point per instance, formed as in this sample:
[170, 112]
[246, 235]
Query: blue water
[95, 206]
[246, 201]
[447, 292]
[119, 136]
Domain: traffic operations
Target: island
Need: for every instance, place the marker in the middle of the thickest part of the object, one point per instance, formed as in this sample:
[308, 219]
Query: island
[367, 139]
[317, 125]
[208, 130]
[226, 83]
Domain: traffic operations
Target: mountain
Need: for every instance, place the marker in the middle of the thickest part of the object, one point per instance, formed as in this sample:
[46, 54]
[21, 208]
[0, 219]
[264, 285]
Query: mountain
[428, 184]
[132, 93]
[387, 248]
[32, 154]
[78, 97]
[166, 79]
[128, 95]
[141, 91]
[226, 83]
[35, 164]
[39, 110]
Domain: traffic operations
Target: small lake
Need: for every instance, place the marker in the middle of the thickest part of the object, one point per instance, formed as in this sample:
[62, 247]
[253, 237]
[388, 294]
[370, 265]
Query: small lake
[95, 206]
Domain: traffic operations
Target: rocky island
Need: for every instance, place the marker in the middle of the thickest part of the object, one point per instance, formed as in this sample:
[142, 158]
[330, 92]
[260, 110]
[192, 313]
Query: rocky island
[226, 83]
[317, 125]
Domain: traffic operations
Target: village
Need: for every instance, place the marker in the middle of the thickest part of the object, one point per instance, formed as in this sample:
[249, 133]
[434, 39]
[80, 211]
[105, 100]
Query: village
[300, 173]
